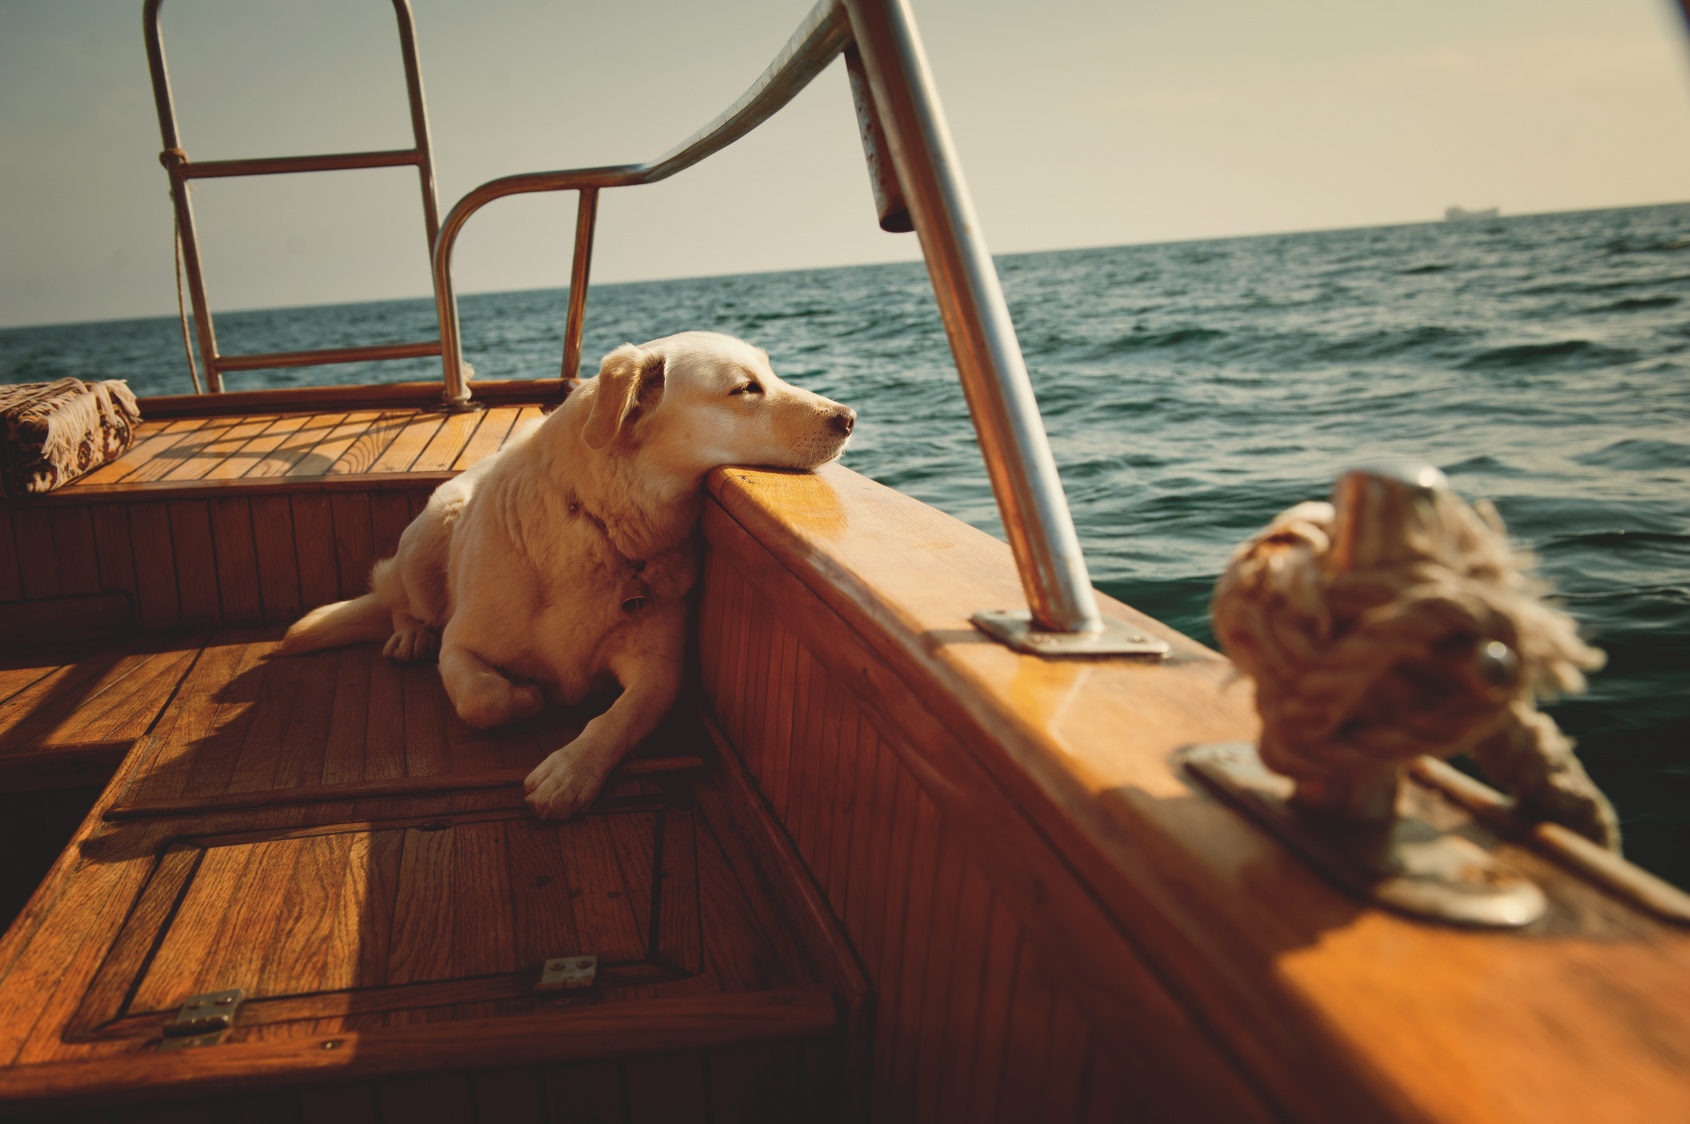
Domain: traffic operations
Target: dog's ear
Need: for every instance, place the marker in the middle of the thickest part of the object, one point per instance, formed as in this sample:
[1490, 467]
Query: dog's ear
[630, 384]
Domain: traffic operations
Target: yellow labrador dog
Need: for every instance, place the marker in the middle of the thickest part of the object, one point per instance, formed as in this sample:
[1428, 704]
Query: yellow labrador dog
[562, 563]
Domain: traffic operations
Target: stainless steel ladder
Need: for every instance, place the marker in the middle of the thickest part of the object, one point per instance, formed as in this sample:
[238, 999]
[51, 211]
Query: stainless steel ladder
[182, 171]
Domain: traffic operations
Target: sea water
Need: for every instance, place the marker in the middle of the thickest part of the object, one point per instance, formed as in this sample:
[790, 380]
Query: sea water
[1194, 390]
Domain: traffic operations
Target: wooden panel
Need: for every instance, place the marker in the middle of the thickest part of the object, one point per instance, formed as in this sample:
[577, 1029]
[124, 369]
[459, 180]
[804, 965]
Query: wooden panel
[155, 566]
[931, 926]
[73, 546]
[314, 546]
[665, 1088]
[196, 561]
[38, 560]
[390, 514]
[112, 543]
[236, 550]
[587, 1094]
[354, 542]
[11, 580]
[274, 554]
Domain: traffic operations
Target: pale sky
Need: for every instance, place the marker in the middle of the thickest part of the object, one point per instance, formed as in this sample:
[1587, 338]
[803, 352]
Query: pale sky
[1079, 123]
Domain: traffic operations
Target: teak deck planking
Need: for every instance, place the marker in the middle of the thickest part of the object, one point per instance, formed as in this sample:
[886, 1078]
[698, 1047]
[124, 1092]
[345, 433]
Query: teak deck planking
[246, 519]
[218, 451]
[408, 927]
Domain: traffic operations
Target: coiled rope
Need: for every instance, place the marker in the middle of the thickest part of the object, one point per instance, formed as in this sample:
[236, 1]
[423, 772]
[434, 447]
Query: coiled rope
[1443, 649]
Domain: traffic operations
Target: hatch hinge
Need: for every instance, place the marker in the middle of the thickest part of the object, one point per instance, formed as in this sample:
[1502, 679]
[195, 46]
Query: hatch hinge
[203, 1020]
[568, 973]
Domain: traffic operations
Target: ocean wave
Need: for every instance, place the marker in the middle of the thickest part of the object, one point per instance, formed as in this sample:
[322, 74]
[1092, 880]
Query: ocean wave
[1639, 454]
[1638, 304]
[1482, 465]
[1646, 245]
[1559, 355]
[1388, 343]
[1142, 340]
[1595, 285]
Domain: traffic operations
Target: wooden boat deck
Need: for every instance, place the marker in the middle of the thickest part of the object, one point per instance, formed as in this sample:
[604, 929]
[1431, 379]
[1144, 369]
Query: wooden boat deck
[1056, 922]
[324, 832]
[245, 509]
[247, 450]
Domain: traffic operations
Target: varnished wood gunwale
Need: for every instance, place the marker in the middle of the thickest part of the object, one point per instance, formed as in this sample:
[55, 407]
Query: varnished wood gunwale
[929, 823]
[1333, 1011]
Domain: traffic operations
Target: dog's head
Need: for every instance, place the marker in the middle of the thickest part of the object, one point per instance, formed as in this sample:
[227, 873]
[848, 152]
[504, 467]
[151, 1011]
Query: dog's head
[693, 401]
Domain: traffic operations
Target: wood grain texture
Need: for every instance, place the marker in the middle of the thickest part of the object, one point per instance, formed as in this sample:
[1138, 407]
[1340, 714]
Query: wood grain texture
[657, 1026]
[11, 577]
[1132, 891]
[158, 442]
[489, 436]
[395, 907]
[70, 720]
[244, 518]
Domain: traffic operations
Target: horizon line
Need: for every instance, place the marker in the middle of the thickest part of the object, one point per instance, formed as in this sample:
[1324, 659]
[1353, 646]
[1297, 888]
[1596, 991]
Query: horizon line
[852, 265]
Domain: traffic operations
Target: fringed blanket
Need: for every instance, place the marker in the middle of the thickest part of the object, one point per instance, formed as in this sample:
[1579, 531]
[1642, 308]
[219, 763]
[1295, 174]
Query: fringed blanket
[54, 432]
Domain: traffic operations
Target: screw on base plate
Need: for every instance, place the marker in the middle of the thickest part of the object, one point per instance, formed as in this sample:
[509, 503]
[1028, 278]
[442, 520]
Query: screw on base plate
[1401, 862]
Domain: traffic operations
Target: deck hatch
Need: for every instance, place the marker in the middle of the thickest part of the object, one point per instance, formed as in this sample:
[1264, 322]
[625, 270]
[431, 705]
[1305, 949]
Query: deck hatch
[401, 914]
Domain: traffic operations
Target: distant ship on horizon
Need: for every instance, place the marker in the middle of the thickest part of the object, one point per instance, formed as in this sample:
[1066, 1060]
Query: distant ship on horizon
[1460, 214]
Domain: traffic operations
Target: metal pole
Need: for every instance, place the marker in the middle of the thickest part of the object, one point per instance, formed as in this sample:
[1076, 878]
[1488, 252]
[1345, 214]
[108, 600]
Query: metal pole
[586, 218]
[988, 357]
[173, 158]
[419, 116]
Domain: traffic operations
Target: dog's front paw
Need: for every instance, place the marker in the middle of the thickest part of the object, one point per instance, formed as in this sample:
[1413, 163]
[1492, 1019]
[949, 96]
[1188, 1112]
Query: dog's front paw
[411, 645]
[563, 785]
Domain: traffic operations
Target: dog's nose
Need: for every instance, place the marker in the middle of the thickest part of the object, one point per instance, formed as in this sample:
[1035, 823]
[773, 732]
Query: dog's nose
[843, 421]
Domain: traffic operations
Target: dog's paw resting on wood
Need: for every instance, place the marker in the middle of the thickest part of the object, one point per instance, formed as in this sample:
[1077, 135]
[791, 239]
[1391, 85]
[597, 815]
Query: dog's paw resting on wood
[561, 564]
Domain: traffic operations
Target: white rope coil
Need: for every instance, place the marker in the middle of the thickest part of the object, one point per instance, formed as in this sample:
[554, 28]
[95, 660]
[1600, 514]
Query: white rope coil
[1441, 650]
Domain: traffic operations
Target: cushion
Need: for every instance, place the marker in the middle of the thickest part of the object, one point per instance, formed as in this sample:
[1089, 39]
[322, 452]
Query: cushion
[53, 432]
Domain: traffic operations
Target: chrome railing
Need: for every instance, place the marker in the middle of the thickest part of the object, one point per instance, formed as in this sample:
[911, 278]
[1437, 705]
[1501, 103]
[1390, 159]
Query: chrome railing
[917, 181]
[818, 40]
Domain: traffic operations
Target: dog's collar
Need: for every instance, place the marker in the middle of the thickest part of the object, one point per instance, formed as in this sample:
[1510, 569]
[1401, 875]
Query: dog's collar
[635, 595]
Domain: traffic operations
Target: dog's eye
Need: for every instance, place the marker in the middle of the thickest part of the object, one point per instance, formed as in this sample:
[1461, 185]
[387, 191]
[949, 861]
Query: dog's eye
[746, 388]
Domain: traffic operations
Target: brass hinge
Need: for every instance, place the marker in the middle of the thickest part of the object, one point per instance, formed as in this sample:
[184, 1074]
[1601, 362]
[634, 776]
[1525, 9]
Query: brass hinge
[568, 973]
[204, 1020]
